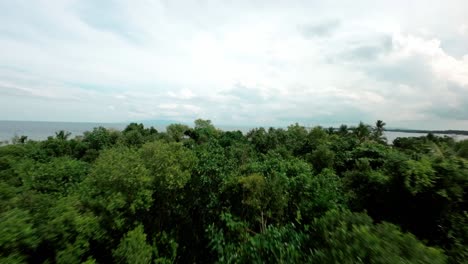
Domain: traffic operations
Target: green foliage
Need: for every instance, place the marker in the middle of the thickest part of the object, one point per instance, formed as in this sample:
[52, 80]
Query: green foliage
[170, 167]
[133, 248]
[93, 141]
[462, 149]
[296, 138]
[169, 164]
[273, 245]
[362, 131]
[71, 230]
[177, 131]
[419, 175]
[313, 195]
[136, 134]
[321, 158]
[100, 138]
[255, 196]
[378, 132]
[203, 132]
[17, 235]
[59, 175]
[202, 195]
[345, 237]
[118, 187]
[57, 146]
[317, 136]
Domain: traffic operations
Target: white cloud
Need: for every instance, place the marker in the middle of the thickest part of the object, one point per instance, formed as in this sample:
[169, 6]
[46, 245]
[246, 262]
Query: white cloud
[182, 94]
[463, 29]
[233, 62]
[443, 65]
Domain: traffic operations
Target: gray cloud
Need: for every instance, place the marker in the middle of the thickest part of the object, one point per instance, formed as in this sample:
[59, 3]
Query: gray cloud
[369, 51]
[245, 93]
[447, 112]
[110, 16]
[458, 109]
[233, 62]
[409, 71]
[346, 115]
[320, 29]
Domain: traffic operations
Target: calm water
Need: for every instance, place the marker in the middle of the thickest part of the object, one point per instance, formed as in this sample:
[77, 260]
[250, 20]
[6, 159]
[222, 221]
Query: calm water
[391, 135]
[41, 130]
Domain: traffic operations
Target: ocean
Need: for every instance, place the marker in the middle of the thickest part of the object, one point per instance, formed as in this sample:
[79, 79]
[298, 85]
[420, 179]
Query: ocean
[41, 130]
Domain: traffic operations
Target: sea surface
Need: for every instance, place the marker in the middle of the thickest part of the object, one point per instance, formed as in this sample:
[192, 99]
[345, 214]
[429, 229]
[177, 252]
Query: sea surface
[392, 135]
[41, 130]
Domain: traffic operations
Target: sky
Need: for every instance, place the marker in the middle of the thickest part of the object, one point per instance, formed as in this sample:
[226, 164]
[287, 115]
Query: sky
[240, 63]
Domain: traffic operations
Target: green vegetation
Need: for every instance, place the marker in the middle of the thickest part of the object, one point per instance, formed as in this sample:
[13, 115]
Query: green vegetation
[202, 195]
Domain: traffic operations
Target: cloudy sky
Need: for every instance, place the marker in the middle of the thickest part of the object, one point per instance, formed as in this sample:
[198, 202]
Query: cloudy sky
[236, 62]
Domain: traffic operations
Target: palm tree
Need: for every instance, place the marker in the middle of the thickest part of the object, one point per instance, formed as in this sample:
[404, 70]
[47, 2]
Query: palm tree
[378, 132]
[343, 130]
[62, 135]
[362, 131]
[379, 125]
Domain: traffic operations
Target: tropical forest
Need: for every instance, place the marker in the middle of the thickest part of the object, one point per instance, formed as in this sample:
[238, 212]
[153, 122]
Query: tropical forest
[198, 194]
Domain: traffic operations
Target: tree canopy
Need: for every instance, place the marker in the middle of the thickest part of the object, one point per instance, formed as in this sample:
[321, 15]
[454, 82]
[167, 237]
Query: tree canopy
[202, 195]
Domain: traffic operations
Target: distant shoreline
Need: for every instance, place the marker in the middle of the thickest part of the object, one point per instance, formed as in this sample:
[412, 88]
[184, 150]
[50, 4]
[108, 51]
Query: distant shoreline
[71, 126]
[447, 132]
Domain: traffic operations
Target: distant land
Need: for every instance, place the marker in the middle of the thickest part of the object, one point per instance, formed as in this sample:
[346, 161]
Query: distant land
[40, 130]
[150, 123]
[446, 132]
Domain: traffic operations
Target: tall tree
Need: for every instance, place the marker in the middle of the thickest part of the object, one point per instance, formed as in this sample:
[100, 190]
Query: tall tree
[378, 131]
